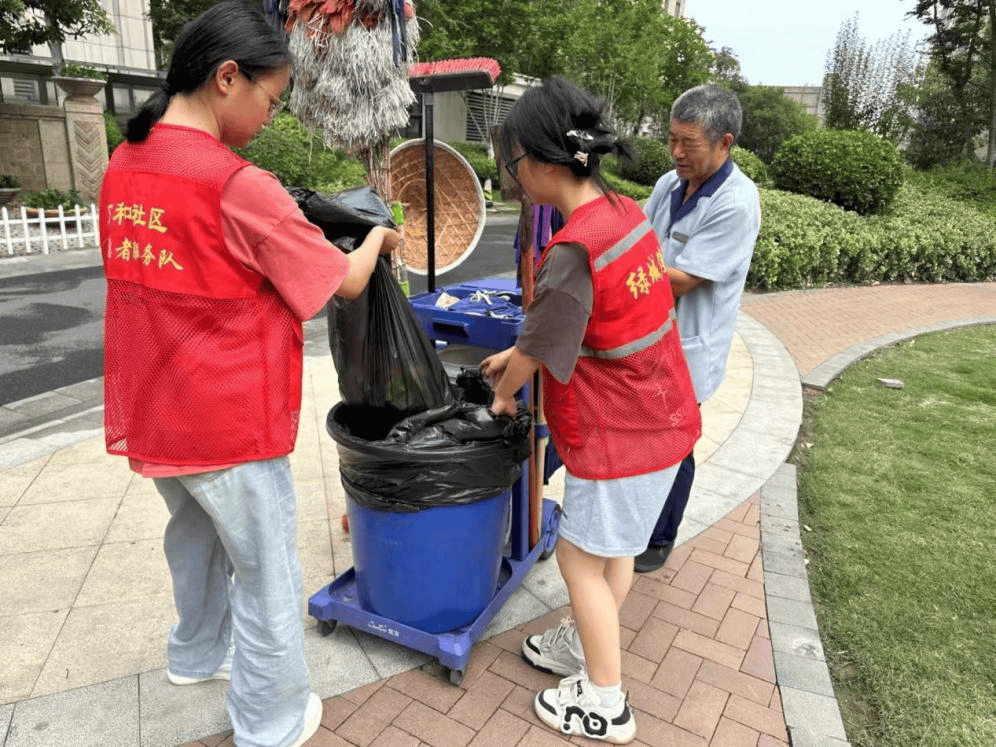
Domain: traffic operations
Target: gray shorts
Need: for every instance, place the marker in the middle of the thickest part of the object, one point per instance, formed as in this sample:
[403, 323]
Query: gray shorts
[614, 518]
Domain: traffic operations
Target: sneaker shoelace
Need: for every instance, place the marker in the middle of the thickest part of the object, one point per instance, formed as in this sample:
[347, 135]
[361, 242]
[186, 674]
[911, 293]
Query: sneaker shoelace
[555, 635]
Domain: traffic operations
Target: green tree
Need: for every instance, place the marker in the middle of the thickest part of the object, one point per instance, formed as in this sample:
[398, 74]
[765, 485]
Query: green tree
[168, 17]
[862, 82]
[962, 52]
[505, 31]
[726, 69]
[24, 23]
[634, 56]
[770, 119]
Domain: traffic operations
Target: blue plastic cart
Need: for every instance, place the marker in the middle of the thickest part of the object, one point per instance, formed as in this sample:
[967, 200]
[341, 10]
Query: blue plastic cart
[340, 601]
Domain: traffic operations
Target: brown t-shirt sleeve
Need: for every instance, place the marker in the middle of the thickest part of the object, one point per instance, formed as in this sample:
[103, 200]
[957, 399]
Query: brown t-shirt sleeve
[557, 318]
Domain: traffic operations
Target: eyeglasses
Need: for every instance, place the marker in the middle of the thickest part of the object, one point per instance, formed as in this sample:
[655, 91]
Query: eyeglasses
[513, 166]
[276, 105]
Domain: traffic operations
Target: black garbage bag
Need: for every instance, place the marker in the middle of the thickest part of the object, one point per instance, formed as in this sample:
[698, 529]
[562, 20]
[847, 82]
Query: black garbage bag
[456, 454]
[382, 355]
[344, 217]
[380, 351]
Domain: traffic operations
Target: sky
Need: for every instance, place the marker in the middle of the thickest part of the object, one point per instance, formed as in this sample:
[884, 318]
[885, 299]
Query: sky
[785, 42]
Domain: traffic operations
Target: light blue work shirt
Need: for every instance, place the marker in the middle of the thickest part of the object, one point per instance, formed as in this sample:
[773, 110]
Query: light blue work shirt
[711, 236]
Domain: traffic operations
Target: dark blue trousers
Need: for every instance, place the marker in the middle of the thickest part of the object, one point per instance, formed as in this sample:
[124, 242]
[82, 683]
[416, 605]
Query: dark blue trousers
[674, 507]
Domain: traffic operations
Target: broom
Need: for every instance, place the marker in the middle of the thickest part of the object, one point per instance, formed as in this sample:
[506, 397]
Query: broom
[351, 60]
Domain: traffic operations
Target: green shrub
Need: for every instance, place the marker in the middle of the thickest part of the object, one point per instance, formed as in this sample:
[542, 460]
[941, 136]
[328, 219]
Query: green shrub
[477, 156]
[806, 242]
[72, 70]
[857, 170]
[112, 131]
[299, 158]
[50, 199]
[651, 160]
[616, 183]
[10, 181]
[974, 184]
[751, 164]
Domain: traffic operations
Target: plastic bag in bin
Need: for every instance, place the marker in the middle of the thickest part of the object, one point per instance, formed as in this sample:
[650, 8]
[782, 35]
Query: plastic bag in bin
[453, 455]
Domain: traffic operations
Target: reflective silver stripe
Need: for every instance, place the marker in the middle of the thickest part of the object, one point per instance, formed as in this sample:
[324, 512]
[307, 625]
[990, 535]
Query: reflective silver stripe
[625, 244]
[633, 347]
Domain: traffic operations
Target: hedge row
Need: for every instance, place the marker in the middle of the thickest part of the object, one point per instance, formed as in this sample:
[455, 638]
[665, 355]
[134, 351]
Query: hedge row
[925, 237]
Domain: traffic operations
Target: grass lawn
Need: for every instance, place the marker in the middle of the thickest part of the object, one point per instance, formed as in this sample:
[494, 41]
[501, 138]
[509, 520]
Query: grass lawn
[897, 488]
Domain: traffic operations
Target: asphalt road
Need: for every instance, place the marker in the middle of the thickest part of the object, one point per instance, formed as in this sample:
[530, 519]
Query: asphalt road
[51, 323]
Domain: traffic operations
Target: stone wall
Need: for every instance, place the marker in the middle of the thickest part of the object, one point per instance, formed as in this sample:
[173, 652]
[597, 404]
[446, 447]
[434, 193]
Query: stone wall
[61, 147]
[34, 146]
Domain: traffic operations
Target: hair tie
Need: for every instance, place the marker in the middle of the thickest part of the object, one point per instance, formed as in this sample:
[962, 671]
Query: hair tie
[582, 139]
[580, 136]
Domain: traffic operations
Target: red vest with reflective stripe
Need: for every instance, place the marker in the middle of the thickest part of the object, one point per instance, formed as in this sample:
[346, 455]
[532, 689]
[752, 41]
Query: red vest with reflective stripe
[629, 407]
[202, 358]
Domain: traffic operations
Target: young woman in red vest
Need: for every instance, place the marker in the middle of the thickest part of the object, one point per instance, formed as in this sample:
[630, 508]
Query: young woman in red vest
[617, 393]
[211, 269]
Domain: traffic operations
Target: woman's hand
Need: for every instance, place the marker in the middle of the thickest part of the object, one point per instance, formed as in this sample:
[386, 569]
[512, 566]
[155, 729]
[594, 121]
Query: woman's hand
[494, 365]
[504, 406]
[391, 239]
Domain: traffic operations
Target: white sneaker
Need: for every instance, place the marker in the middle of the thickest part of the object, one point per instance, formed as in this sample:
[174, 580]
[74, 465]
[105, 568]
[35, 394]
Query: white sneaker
[224, 672]
[312, 720]
[572, 708]
[551, 652]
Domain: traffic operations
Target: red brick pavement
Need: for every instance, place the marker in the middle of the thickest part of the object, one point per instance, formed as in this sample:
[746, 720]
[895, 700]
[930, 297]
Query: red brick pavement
[697, 658]
[815, 325]
[697, 663]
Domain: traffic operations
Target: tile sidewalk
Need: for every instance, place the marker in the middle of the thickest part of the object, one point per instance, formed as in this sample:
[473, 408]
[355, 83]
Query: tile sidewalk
[721, 647]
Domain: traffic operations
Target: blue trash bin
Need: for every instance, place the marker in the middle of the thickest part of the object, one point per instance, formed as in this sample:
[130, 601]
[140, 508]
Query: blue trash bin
[428, 515]
[435, 569]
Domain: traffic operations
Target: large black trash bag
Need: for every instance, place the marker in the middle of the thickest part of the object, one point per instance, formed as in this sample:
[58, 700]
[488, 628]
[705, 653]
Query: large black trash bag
[382, 355]
[380, 351]
[344, 217]
[456, 454]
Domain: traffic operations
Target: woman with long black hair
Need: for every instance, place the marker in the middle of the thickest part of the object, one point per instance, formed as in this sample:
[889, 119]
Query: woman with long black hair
[211, 269]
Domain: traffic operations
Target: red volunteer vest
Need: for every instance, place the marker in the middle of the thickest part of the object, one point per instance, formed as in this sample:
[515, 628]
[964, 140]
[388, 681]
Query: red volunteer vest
[202, 358]
[629, 408]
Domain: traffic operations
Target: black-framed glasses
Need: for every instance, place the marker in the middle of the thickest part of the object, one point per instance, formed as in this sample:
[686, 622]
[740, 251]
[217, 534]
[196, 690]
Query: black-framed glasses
[513, 166]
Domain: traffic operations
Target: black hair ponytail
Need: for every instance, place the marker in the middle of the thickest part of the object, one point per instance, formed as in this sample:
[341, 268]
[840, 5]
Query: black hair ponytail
[559, 123]
[230, 30]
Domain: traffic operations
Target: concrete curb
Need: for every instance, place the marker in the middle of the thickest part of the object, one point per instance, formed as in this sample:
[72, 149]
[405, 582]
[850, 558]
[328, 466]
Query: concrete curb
[822, 376]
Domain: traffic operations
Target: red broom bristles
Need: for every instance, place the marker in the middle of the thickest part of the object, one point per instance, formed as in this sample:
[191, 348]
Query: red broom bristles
[450, 67]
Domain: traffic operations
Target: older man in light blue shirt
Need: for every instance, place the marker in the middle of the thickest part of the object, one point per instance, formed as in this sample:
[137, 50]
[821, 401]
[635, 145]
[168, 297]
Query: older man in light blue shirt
[707, 215]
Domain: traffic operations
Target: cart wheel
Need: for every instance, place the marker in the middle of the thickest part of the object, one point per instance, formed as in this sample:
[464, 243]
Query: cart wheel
[325, 627]
[456, 676]
[551, 539]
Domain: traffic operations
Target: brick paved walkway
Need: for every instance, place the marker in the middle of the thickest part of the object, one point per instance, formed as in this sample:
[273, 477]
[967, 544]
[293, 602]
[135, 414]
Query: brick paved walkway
[815, 325]
[697, 662]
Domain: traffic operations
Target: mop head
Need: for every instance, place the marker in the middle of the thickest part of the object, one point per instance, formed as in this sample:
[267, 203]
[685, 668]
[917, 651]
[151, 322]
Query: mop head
[351, 60]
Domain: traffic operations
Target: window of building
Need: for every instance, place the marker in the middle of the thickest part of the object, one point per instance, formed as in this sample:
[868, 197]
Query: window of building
[485, 109]
[26, 89]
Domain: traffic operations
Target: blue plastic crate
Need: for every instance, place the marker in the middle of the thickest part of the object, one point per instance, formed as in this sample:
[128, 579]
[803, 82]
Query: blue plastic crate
[477, 327]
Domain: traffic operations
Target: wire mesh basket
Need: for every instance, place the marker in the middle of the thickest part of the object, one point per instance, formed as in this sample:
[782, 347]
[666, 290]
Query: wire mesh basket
[459, 211]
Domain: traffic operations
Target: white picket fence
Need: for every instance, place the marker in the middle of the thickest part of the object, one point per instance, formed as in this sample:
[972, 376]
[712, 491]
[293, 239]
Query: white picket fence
[33, 231]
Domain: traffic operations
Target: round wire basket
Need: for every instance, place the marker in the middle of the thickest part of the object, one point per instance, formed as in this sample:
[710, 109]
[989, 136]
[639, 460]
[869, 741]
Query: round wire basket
[459, 210]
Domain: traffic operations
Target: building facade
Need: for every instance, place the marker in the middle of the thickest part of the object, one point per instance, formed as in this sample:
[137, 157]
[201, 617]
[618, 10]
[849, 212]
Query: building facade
[52, 135]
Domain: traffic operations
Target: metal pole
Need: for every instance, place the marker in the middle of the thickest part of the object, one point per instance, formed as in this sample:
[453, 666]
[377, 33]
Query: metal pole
[430, 192]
